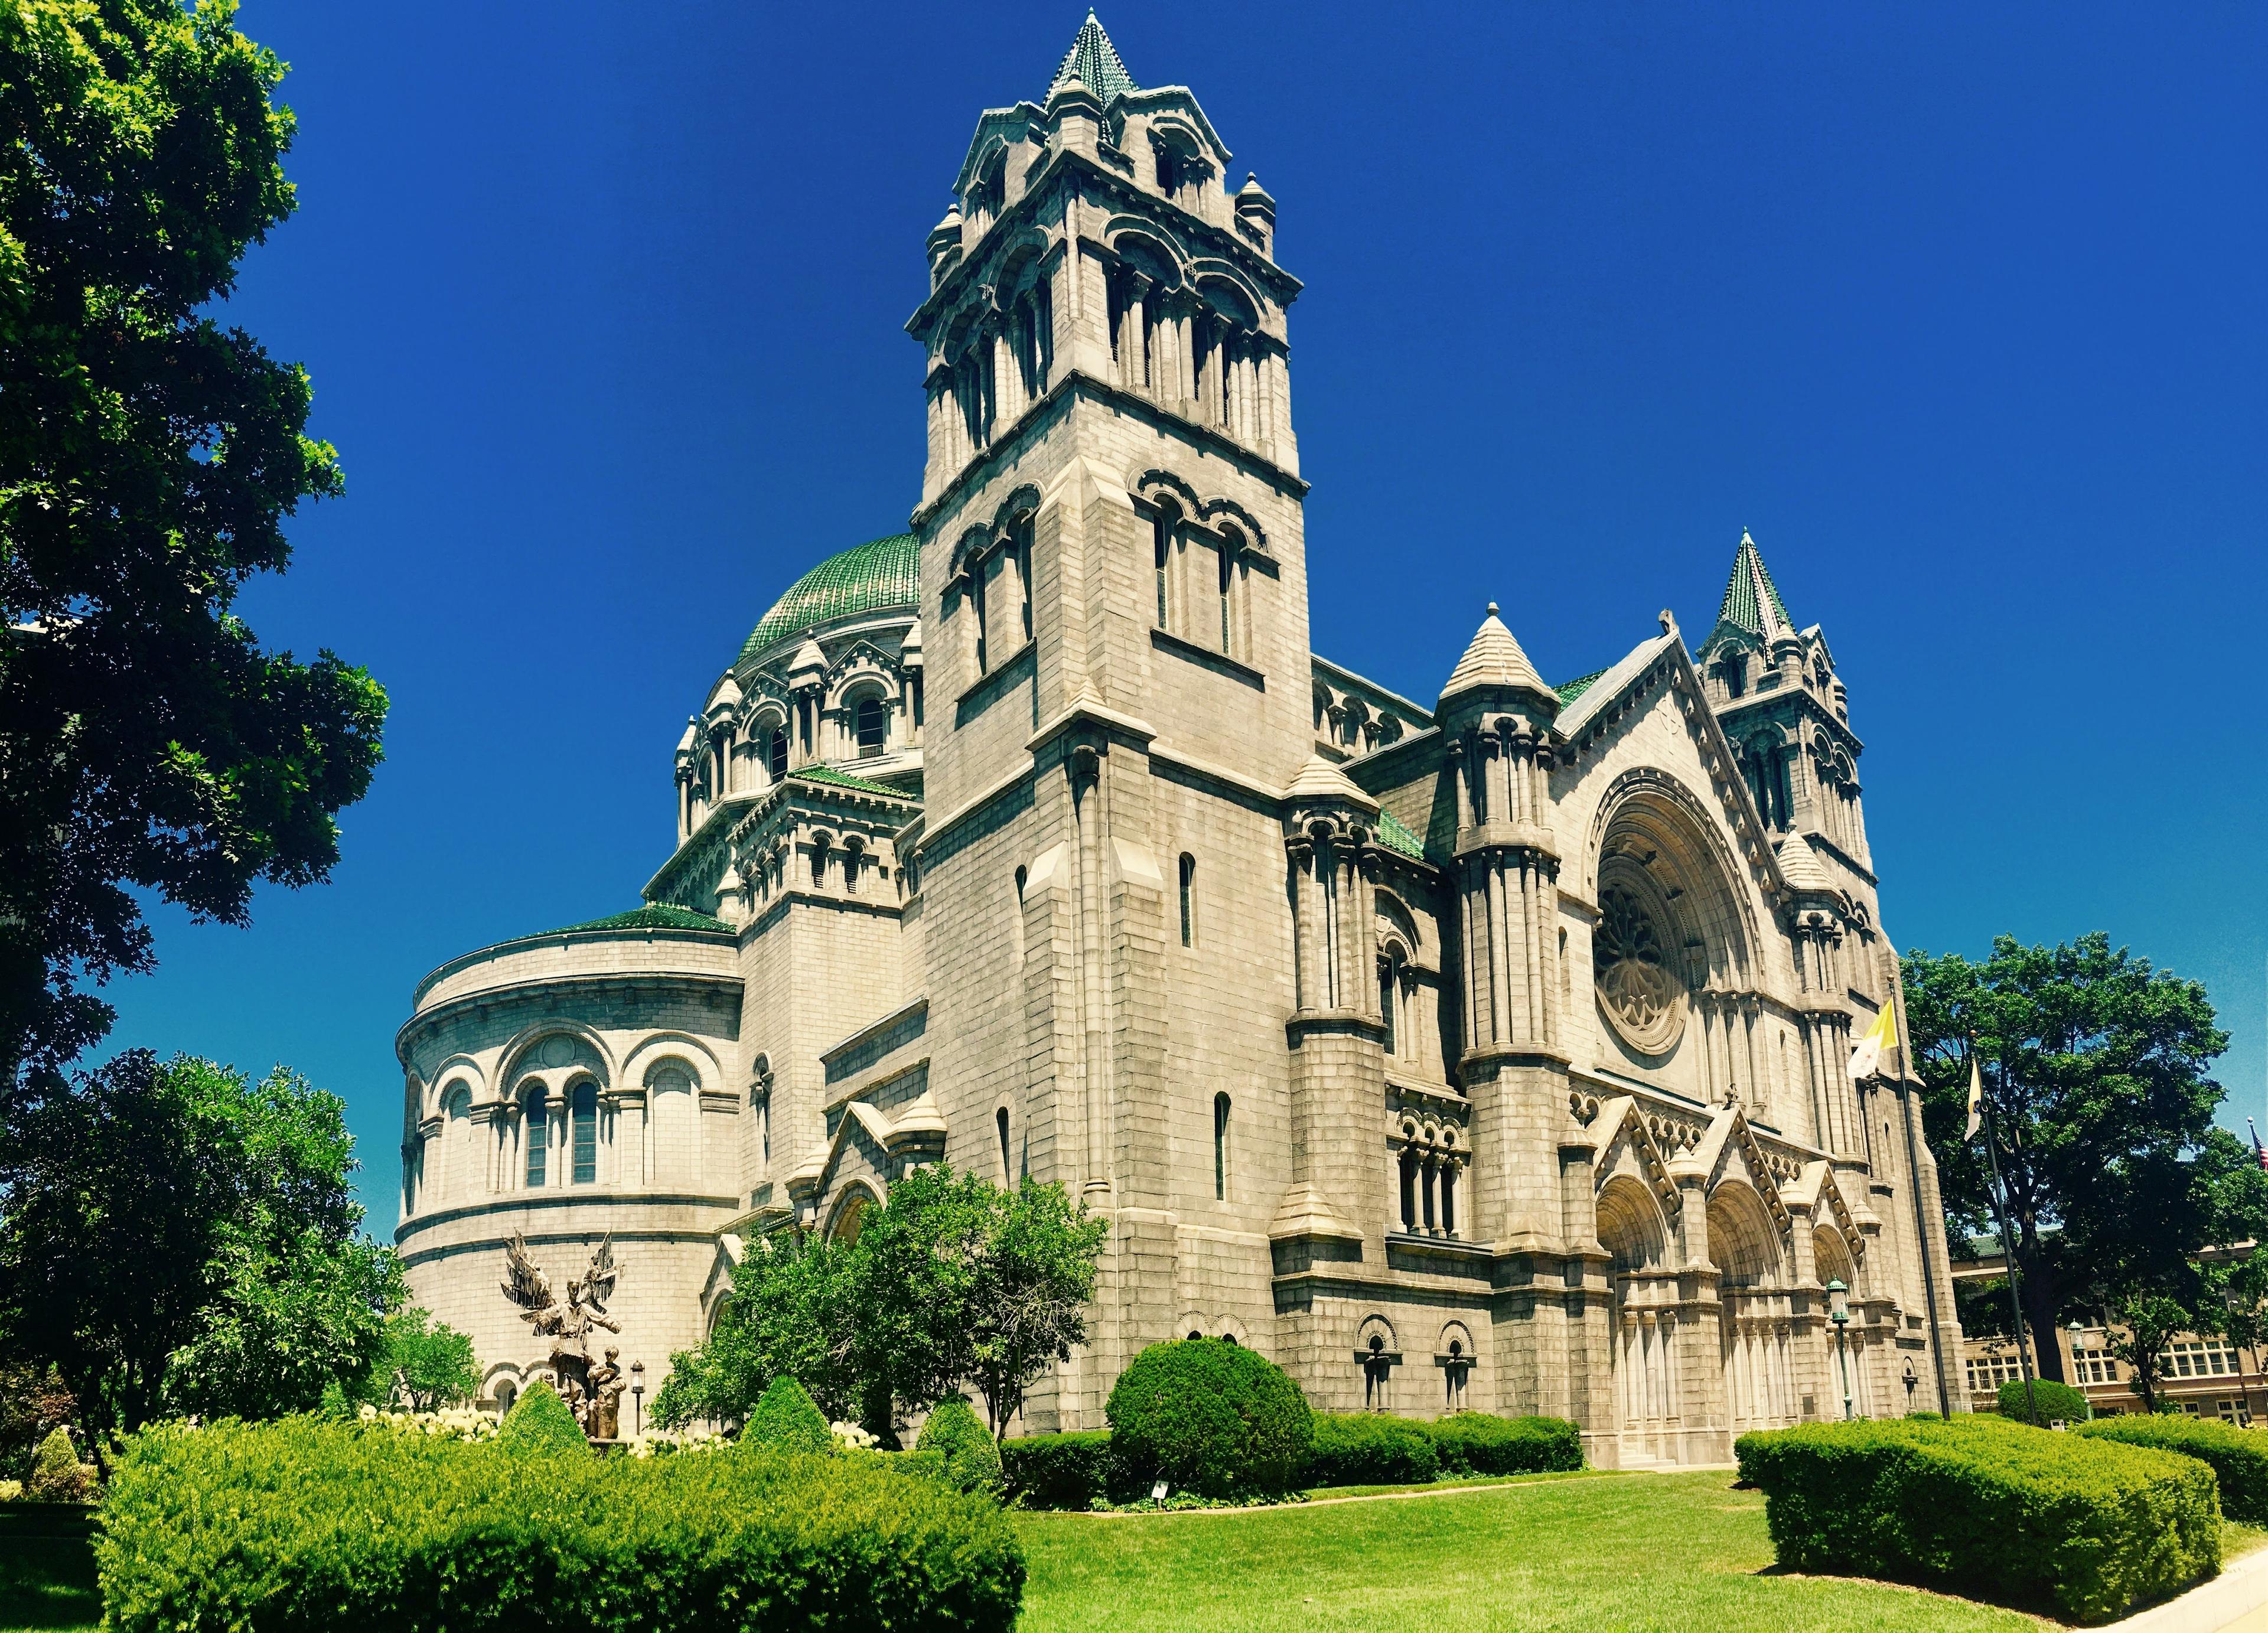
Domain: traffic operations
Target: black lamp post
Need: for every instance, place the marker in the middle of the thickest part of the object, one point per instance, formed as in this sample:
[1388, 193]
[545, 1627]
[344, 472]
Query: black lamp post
[637, 1400]
[1838, 1311]
[2077, 1329]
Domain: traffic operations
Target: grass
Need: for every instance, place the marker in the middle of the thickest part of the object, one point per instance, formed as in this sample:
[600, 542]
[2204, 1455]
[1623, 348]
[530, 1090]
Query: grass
[1619, 1554]
[48, 1582]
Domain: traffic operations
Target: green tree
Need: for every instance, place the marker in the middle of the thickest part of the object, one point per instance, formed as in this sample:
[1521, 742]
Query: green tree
[2142, 1325]
[2096, 1064]
[1027, 1305]
[914, 1273]
[428, 1363]
[179, 1235]
[787, 1315]
[149, 456]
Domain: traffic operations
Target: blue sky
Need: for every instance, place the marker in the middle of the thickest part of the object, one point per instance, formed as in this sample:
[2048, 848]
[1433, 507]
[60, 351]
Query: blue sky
[1958, 308]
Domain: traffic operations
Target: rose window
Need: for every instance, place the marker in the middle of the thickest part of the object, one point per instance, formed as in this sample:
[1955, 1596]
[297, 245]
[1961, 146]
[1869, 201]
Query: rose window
[1630, 969]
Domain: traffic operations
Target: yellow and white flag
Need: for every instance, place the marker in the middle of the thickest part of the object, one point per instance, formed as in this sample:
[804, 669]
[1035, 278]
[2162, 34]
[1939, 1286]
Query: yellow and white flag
[1874, 1049]
[1976, 1102]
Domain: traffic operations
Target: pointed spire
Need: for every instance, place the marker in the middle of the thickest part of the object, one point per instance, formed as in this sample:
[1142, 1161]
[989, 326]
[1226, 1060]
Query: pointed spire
[1750, 599]
[1093, 62]
[1494, 658]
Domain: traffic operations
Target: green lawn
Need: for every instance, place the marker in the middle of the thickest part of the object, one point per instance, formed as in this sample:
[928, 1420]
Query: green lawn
[1611, 1552]
[47, 1583]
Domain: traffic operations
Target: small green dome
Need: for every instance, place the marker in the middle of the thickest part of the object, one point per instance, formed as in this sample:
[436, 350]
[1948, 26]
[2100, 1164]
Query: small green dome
[870, 578]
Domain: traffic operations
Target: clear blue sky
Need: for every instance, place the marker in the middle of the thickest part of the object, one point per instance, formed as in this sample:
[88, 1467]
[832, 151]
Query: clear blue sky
[1959, 308]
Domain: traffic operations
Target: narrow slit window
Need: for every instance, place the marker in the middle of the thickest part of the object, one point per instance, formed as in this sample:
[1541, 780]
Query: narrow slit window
[1227, 585]
[976, 610]
[1162, 540]
[1221, 1148]
[1388, 974]
[1007, 1168]
[1188, 900]
[872, 728]
[775, 752]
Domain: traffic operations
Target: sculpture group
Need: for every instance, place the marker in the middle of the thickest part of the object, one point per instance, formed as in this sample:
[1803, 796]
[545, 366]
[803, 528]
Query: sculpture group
[592, 1389]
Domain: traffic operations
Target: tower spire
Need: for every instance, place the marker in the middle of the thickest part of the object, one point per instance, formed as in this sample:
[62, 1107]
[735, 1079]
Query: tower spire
[1093, 62]
[1750, 599]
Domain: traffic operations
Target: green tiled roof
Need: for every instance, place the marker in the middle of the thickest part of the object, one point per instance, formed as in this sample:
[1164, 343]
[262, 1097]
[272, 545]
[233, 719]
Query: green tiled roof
[1094, 61]
[1570, 690]
[1748, 590]
[652, 916]
[874, 577]
[1393, 836]
[833, 778]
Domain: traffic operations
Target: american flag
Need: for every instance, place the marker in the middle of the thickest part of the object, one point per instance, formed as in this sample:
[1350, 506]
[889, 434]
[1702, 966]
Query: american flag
[2256, 1149]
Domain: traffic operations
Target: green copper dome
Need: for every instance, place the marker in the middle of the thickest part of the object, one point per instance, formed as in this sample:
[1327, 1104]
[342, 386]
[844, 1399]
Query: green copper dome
[878, 576]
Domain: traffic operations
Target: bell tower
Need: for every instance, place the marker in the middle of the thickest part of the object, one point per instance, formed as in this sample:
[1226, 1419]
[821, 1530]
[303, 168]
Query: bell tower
[1114, 603]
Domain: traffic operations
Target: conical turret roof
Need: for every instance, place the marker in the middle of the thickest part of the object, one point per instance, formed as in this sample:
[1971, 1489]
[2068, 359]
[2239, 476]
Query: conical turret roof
[1494, 658]
[1094, 61]
[1752, 602]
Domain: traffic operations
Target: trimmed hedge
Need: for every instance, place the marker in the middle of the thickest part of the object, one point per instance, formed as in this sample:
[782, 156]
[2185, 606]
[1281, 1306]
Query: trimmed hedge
[303, 1524]
[972, 1459]
[2080, 1526]
[540, 1421]
[2056, 1402]
[1211, 1417]
[2237, 1457]
[1071, 1471]
[1370, 1449]
[1477, 1443]
[787, 1419]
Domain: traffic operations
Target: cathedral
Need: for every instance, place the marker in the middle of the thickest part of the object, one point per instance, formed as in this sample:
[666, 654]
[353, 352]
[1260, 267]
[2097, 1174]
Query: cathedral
[1485, 1053]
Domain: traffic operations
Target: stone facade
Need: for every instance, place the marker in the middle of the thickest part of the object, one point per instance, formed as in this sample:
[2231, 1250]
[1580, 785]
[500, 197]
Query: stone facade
[1486, 1054]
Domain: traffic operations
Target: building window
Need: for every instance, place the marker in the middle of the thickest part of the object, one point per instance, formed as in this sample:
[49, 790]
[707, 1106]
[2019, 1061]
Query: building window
[1221, 1148]
[2095, 1366]
[1188, 900]
[2196, 1359]
[1228, 543]
[1007, 1168]
[1389, 977]
[775, 752]
[583, 1128]
[536, 1119]
[1161, 544]
[1448, 1189]
[1021, 546]
[1409, 1191]
[871, 723]
[976, 610]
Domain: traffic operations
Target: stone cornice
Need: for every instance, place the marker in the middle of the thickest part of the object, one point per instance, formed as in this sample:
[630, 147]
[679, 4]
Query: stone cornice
[555, 987]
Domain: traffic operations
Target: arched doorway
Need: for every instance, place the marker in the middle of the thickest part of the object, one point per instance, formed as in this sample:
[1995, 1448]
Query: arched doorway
[1643, 1317]
[1756, 1328]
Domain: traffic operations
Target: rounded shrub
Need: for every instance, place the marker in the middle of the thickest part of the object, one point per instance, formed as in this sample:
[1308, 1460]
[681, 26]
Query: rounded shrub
[539, 1420]
[2055, 1400]
[1210, 1417]
[58, 1475]
[787, 1420]
[972, 1459]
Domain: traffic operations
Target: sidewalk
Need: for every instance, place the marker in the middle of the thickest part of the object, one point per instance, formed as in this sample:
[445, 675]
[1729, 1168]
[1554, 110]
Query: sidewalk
[2234, 1601]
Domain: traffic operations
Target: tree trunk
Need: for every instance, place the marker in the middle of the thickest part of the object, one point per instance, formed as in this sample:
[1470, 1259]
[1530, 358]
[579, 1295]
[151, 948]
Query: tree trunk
[2039, 1302]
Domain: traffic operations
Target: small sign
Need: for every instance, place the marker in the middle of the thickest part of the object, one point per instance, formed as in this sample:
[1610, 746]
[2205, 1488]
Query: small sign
[1158, 1492]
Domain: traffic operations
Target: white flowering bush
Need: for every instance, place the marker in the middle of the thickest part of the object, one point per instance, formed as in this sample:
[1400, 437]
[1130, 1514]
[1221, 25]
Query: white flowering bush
[852, 1435]
[660, 1443]
[457, 1423]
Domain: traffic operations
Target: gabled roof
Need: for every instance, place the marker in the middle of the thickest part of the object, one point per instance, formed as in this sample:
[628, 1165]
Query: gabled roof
[1601, 688]
[1751, 602]
[1399, 839]
[1094, 62]
[1570, 690]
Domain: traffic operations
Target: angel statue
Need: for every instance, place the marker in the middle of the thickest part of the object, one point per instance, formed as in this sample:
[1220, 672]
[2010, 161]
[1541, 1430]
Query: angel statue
[568, 1326]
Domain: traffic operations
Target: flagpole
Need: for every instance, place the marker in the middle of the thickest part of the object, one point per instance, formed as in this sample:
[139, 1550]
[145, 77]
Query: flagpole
[2008, 1255]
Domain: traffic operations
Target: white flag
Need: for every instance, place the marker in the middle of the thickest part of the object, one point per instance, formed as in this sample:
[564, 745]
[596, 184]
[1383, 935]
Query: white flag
[1875, 1047]
[1976, 1102]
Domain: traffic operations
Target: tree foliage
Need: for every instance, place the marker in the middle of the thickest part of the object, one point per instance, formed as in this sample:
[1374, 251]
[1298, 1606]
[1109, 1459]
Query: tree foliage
[427, 1363]
[149, 456]
[954, 1281]
[2097, 1067]
[179, 1237]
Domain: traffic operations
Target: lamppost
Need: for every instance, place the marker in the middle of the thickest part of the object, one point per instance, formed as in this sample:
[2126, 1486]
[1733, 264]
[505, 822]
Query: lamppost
[2077, 1329]
[637, 1400]
[1838, 1311]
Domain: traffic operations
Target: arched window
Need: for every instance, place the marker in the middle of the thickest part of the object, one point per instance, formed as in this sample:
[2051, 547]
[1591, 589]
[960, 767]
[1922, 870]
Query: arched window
[583, 1131]
[775, 752]
[456, 1136]
[872, 727]
[1409, 1191]
[1229, 545]
[535, 1121]
[1161, 544]
[1448, 1185]
[1221, 1148]
[1188, 900]
[1389, 978]
[1007, 1168]
[1019, 546]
